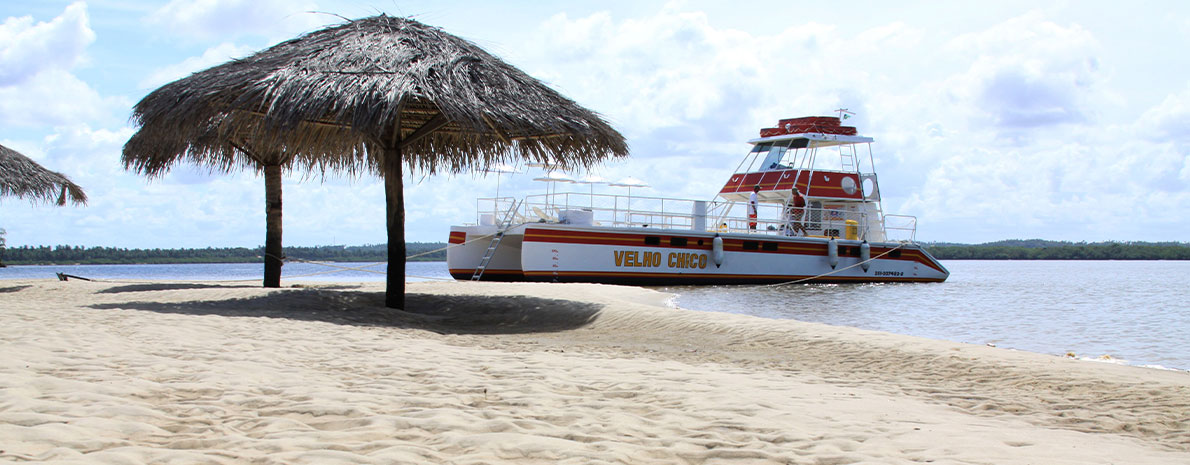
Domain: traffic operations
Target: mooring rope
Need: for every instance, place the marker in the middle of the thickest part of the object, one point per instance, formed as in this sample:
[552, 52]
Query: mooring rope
[338, 268]
[798, 281]
[364, 268]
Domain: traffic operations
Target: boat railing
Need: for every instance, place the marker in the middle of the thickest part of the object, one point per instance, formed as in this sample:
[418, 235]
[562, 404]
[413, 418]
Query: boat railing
[900, 227]
[594, 209]
[829, 221]
[491, 209]
[613, 210]
[671, 213]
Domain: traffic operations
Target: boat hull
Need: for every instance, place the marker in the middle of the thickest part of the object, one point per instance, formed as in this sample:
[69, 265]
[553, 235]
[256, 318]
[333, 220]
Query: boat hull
[468, 244]
[644, 256]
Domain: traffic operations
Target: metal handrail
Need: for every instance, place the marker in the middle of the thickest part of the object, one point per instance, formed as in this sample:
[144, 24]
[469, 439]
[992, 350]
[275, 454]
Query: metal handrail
[671, 213]
[910, 228]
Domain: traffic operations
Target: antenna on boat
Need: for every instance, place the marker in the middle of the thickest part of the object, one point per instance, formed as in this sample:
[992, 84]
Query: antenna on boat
[844, 114]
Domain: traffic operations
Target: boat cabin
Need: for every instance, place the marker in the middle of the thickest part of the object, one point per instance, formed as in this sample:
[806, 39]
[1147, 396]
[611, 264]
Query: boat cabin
[823, 159]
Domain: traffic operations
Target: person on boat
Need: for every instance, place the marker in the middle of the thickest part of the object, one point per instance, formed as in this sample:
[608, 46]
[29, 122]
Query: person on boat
[794, 211]
[753, 206]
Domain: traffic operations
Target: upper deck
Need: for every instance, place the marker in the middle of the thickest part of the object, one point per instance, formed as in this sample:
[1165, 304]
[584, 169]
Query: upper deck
[816, 154]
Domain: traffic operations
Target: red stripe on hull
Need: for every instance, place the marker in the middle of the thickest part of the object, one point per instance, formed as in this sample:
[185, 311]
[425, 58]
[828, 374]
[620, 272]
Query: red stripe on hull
[664, 279]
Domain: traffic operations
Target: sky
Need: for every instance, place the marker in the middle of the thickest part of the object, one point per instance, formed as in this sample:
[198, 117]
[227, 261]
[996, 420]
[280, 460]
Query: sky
[1066, 120]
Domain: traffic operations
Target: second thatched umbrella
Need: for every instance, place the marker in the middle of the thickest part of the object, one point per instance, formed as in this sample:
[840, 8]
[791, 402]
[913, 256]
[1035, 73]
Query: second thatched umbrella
[233, 154]
[381, 93]
[20, 176]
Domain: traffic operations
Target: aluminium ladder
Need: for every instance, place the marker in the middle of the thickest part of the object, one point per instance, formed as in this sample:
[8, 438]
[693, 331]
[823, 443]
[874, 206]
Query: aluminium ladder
[847, 160]
[500, 228]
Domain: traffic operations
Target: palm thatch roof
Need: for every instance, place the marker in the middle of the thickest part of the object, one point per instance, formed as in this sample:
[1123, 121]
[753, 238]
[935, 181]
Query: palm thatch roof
[20, 176]
[335, 98]
[375, 94]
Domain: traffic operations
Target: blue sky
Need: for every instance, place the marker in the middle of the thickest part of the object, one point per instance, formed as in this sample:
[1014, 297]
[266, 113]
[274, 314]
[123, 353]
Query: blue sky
[992, 120]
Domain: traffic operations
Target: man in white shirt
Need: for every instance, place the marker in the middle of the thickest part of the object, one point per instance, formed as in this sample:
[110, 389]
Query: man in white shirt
[753, 206]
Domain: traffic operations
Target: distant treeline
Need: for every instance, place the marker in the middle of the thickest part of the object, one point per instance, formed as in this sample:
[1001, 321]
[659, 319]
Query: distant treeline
[65, 254]
[1033, 249]
[1037, 249]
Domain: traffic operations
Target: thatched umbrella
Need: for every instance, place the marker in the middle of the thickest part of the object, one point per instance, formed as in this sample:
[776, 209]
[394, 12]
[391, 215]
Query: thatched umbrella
[379, 93]
[20, 176]
[235, 153]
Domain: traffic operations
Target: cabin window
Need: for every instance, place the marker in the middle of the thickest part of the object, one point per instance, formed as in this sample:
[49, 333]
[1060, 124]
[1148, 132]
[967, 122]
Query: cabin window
[652, 240]
[773, 160]
[751, 245]
[895, 253]
[769, 246]
[677, 241]
[700, 242]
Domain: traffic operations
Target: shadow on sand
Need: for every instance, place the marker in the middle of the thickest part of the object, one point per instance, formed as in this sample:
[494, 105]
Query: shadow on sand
[168, 287]
[4, 290]
[448, 314]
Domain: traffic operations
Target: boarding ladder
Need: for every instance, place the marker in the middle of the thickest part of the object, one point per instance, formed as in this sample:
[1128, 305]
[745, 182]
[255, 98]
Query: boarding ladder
[501, 226]
[847, 160]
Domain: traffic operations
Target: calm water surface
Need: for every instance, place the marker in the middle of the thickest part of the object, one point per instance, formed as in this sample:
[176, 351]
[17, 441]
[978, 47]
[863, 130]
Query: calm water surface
[331, 272]
[1137, 312]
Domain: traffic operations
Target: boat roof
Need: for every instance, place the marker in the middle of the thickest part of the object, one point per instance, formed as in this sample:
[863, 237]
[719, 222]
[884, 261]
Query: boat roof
[816, 139]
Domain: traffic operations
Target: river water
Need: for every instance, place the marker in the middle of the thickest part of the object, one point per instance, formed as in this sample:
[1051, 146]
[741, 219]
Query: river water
[1134, 312]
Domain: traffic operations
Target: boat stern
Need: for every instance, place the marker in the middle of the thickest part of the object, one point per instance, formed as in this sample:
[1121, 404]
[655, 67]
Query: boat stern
[468, 246]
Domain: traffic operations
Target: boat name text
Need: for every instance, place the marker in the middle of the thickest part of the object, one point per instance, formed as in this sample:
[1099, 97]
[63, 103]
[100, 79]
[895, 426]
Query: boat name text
[890, 273]
[635, 258]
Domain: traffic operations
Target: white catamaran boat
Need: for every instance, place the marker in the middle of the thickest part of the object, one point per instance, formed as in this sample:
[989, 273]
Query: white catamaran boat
[840, 235]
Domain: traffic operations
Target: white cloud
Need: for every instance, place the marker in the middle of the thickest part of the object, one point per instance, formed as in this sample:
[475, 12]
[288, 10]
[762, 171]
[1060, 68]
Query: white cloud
[56, 97]
[87, 155]
[28, 49]
[674, 66]
[230, 19]
[1015, 145]
[213, 56]
[1168, 121]
[37, 87]
[1027, 73]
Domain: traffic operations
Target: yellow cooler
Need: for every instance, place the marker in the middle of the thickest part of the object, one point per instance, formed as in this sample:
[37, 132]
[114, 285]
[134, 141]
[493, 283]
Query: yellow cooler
[852, 230]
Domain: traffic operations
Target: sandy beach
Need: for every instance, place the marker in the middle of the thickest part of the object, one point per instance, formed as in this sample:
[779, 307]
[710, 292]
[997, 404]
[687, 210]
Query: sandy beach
[475, 373]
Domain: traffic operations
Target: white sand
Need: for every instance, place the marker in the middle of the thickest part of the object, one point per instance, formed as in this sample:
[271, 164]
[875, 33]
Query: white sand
[534, 373]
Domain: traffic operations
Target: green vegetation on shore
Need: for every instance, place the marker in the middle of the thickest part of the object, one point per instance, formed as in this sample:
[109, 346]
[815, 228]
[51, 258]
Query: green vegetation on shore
[65, 254]
[1037, 249]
